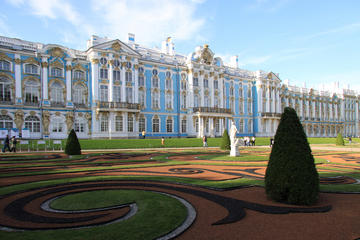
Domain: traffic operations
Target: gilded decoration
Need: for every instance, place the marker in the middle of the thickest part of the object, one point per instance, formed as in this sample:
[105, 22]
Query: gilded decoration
[69, 120]
[117, 82]
[103, 54]
[221, 75]
[206, 55]
[123, 64]
[44, 64]
[116, 46]
[4, 112]
[32, 113]
[211, 74]
[128, 84]
[31, 60]
[19, 118]
[57, 52]
[3, 56]
[79, 67]
[189, 71]
[201, 72]
[196, 74]
[57, 64]
[136, 66]
[128, 58]
[57, 114]
[206, 92]
[46, 122]
[196, 91]
[80, 114]
[17, 60]
[68, 67]
[111, 62]
[95, 61]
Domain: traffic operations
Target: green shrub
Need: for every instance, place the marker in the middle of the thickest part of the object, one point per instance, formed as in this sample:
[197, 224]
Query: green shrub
[225, 141]
[72, 144]
[340, 140]
[291, 174]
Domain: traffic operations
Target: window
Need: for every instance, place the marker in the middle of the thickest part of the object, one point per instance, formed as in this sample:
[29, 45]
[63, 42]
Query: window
[104, 123]
[169, 124]
[196, 81]
[168, 84]
[168, 74]
[57, 125]
[128, 65]
[4, 65]
[128, 76]
[142, 98]
[231, 91]
[32, 123]
[116, 63]
[103, 73]
[103, 61]
[183, 100]
[207, 125]
[119, 124]
[155, 72]
[57, 93]
[78, 75]
[155, 125]
[116, 75]
[116, 94]
[217, 125]
[155, 100]
[241, 106]
[168, 101]
[206, 83]
[128, 92]
[196, 100]
[232, 104]
[249, 104]
[206, 101]
[79, 94]
[216, 102]
[216, 84]
[141, 124]
[240, 92]
[183, 125]
[141, 70]
[183, 85]
[31, 69]
[197, 125]
[5, 89]
[56, 72]
[32, 91]
[79, 126]
[250, 126]
[155, 82]
[130, 123]
[6, 122]
[104, 93]
[141, 80]
[241, 128]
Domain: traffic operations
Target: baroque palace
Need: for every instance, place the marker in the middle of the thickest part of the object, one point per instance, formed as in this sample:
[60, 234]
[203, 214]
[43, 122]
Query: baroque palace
[117, 90]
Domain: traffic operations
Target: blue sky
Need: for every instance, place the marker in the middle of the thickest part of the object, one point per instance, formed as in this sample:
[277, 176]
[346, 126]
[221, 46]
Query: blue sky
[308, 42]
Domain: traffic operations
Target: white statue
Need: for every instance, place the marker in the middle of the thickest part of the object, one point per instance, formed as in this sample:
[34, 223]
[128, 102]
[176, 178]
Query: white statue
[234, 141]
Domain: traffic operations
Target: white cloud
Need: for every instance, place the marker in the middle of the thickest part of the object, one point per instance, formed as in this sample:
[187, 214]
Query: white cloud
[151, 21]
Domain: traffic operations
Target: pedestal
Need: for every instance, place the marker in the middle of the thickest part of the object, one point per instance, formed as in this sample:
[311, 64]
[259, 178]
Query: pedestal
[234, 152]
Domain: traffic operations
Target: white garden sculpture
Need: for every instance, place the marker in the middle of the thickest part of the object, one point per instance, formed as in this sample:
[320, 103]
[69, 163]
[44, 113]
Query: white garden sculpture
[234, 141]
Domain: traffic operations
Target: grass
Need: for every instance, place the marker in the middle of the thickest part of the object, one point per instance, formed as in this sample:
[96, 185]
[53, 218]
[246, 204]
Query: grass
[157, 215]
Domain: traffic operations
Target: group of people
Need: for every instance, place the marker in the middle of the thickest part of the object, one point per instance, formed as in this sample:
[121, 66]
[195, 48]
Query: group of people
[10, 144]
[249, 141]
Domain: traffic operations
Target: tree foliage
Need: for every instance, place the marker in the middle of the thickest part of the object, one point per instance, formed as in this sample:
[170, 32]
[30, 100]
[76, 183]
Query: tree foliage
[225, 142]
[340, 140]
[291, 175]
[72, 144]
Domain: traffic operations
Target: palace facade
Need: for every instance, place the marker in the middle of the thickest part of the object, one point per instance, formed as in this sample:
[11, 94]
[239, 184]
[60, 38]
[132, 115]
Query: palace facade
[117, 90]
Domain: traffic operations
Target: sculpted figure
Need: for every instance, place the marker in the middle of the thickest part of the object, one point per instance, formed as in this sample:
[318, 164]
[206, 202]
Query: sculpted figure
[19, 119]
[88, 117]
[46, 122]
[69, 120]
[234, 141]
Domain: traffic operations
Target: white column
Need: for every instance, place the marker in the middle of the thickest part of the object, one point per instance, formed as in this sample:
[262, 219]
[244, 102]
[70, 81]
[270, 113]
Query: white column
[212, 127]
[222, 103]
[111, 80]
[123, 83]
[136, 89]
[111, 122]
[45, 82]
[201, 86]
[260, 99]
[95, 78]
[125, 114]
[18, 87]
[267, 106]
[68, 79]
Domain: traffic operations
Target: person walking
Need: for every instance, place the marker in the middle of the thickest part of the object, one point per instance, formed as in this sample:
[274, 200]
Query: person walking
[253, 141]
[6, 144]
[143, 133]
[205, 141]
[13, 143]
[162, 141]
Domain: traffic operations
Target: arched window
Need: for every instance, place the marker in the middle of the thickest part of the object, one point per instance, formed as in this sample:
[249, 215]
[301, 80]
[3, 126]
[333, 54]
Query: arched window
[129, 94]
[79, 94]
[56, 72]
[206, 101]
[168, 99]
[196, 101]
[128, 76]
[104, 123]
[57, 93]
[6, 122]
[142, 98]
[31, 69]
[217, 125]
[117, 94]
[156, 124]
[216, 84]
[80, 125]
[169, 125]
[116, 75]
[78, 75]
[206, 83]
[168, 83]
[119, 124]
[183, 100]
[130, 123]
[32, 123]
[57, 125]
[155, 82]
[104, 93]
[216, 101]
[32, 92]
[4, 65]
[155, 100]
[183, 125]
[141, 124]
[5, 89]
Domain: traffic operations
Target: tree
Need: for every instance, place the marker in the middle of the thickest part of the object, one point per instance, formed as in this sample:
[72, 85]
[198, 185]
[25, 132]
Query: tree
[340, 140]
[72, 144]
[225, 143]
[291, 174]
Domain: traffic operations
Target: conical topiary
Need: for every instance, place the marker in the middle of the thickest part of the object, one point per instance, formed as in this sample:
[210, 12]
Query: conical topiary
[340, 140]
[225, 142]
[291, 174]
[72, 144]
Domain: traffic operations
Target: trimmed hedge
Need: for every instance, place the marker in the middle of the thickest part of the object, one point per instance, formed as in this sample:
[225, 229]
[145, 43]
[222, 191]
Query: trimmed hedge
[225, 141]
[340, 140]
[291, 174]
[72, 144]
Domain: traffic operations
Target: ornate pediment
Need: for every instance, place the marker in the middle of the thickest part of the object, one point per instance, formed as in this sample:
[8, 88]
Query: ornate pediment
[57, 52]
[31, 60]
[117, 46]
[3, 56]
[57, 64]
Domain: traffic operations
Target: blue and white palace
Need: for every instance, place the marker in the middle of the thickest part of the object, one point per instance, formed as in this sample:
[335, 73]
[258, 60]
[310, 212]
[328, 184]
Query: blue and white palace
[117, 90]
